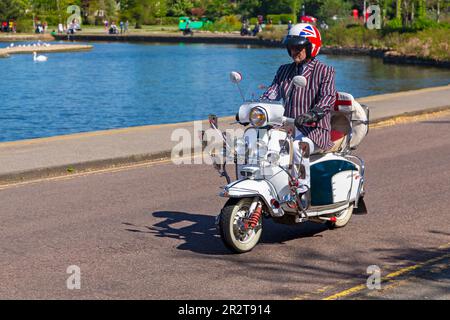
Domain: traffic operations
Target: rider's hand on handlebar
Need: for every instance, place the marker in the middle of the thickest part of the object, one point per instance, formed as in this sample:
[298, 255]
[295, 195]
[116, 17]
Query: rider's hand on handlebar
[310, 117]
[304, 118]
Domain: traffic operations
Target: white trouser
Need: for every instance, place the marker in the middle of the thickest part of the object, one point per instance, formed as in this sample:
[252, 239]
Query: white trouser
[303, 148]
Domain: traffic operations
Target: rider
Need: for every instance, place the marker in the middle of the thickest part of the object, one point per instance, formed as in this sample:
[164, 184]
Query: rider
[310, 106]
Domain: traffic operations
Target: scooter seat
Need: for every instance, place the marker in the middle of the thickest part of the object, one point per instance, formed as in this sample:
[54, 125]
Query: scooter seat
[338, 138]
[336, 135]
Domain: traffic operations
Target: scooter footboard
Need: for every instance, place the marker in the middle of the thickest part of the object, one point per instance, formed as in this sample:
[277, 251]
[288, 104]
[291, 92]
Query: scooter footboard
[250, 188]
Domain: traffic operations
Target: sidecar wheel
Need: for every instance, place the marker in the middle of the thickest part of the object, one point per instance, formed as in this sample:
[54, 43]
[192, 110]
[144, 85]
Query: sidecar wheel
[342, 218]
[231, 233]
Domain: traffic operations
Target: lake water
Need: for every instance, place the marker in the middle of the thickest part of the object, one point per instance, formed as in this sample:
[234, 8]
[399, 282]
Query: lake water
[125, 84]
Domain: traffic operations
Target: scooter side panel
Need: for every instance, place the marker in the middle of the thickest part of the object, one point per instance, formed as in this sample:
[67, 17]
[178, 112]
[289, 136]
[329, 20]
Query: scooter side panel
[345, 185]
[321, 180]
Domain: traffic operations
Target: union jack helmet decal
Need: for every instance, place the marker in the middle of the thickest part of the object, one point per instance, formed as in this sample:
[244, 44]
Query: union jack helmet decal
[310, 32]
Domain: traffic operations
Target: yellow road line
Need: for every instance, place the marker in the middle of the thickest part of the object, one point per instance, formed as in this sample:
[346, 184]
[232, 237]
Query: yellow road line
[409, 118]
[390, 277]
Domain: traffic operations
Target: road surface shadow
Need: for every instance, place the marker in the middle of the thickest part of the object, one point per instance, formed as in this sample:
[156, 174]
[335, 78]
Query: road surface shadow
[200, 235]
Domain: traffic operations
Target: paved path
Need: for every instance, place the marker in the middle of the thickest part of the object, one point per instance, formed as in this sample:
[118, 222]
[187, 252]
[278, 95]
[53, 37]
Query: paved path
[37, 158]
[5, 52]
[148, 232]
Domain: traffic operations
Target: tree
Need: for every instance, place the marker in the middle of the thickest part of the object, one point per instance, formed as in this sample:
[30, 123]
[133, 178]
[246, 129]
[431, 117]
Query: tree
[219, 8]
[249, 8]
[330, 8]
[12, 9]
[178, 8]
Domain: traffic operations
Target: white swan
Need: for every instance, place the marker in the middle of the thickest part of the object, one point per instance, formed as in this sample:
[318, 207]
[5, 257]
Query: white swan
[39, 58]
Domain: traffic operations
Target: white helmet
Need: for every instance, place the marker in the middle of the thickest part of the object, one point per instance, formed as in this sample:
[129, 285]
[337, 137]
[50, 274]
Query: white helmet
[304, 34]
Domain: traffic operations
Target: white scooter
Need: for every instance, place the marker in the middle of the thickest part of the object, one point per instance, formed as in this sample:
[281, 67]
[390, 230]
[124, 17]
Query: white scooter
[263, 159]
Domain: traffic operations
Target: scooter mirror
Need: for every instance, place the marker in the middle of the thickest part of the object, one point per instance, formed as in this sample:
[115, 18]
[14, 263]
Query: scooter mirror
[299, 81]
[235, 77]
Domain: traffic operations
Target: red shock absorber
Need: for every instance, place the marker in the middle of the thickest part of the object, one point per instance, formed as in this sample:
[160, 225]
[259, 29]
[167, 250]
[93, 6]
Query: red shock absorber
[256, 215]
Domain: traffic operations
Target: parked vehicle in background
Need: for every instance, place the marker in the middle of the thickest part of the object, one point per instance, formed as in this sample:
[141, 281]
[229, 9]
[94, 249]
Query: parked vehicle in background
[186, 25]
[308, 19]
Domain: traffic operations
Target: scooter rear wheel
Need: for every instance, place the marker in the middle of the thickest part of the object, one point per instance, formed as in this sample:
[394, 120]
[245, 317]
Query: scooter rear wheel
[342, 218]
[233, 235]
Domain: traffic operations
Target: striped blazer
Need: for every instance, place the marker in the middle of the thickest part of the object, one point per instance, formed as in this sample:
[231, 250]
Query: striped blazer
[320, 92]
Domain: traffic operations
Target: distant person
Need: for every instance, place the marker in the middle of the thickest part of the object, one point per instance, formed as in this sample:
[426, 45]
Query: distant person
[11, 26]
[257, 29]
[121, 27]
[127, 24]
[289, 25]
[113, 29]
[106, 25]
[60, 28]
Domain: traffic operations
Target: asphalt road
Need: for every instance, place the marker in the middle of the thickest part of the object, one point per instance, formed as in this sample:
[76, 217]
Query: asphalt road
[148, 232]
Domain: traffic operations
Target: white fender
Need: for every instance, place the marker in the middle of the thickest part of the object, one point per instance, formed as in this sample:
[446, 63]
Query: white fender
[250, 188]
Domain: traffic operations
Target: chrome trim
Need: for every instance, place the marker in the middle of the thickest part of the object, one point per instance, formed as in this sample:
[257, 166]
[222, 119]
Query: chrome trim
[362, 173]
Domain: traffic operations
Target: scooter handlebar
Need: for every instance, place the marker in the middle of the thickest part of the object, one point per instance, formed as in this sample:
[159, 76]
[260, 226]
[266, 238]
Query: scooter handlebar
[289, 122]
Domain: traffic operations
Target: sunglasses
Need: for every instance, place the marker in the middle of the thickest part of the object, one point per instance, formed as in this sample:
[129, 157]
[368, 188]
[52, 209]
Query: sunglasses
[296, 48]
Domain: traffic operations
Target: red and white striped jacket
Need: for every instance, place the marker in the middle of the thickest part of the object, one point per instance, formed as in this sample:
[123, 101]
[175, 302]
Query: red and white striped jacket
[320, 92]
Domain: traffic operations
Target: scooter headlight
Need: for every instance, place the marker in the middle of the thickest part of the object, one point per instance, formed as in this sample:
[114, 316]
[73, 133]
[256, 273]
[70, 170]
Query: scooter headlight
[258, 117]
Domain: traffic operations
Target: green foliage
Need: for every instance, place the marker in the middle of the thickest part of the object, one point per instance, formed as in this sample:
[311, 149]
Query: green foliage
[280, 18]
[168, 20]
[12, 9]
[216, 9]
[143, 11]
[394, 24]
[424, 23]
[179, 8]
[24, 24]
[351, 35]
[431, 43]
[329, 8]
[224, 24]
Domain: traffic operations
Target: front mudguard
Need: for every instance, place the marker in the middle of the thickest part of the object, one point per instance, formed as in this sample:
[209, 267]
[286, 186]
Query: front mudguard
[246, 188]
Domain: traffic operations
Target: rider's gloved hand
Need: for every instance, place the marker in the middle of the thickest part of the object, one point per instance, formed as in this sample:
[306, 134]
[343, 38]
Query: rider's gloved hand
[311, 116]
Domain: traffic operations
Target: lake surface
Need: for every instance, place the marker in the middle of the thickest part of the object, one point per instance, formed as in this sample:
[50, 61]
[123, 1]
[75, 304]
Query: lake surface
[124, 84]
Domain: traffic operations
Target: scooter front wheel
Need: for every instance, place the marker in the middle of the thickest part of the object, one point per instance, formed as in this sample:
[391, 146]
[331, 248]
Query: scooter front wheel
[233, 232]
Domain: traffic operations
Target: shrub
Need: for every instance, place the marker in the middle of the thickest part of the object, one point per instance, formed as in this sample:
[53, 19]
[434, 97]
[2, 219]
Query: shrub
[423, 23]
[169, 20]
[275, 18]
[24, 24]
[225, 24]
[393, 25]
